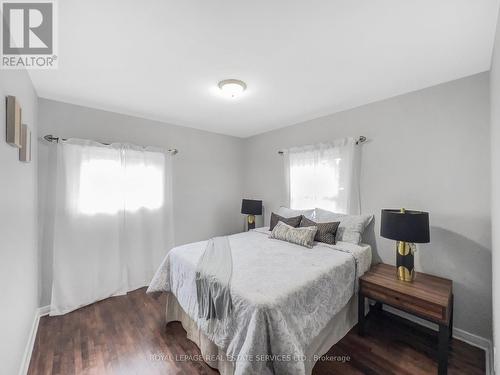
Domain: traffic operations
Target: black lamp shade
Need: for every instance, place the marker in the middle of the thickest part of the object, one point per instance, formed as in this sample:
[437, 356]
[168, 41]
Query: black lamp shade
[251, 207]
[407, 226]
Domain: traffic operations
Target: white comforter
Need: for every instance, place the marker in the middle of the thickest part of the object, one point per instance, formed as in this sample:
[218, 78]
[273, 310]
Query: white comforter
[283, 296]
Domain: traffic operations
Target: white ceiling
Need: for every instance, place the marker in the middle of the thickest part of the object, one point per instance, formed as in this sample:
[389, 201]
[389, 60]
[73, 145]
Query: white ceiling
[300, 59]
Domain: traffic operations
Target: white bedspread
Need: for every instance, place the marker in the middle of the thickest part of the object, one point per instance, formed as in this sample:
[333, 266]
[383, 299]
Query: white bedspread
[283, 295]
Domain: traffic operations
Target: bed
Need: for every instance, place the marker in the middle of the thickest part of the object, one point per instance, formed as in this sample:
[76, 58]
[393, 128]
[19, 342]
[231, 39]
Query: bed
[290, 303]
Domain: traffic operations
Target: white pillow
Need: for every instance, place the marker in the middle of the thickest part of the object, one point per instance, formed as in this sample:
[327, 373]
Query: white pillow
[324, 216]
[290, 212]
[351, 227]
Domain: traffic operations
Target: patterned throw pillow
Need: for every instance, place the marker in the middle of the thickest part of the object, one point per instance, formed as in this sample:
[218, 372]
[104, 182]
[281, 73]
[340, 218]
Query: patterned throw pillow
[326, 231]
[300, 236]
[292, 221]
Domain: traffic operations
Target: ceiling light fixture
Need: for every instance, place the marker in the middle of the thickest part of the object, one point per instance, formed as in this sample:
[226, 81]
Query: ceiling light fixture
[232, 88]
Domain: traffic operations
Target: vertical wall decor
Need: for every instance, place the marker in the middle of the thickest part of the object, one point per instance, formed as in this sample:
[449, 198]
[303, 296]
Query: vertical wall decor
[13, 130]
[25, 150]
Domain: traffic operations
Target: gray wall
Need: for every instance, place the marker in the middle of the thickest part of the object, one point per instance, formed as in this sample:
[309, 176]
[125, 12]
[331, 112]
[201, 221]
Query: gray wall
[495, 188]
[428, 150]
[207, 170]
[18, 229]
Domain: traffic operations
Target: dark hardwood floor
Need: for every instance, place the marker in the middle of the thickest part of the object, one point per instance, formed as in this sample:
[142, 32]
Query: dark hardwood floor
[127, 335]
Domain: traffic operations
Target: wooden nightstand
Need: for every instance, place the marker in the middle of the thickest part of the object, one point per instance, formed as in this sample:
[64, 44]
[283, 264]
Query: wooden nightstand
[428, 297]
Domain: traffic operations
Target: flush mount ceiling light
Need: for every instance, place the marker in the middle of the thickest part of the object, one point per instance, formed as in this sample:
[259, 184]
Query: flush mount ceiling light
[232, 88]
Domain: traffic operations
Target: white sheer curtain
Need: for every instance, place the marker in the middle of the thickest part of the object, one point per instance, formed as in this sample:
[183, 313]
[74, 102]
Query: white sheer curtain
[324, 175]
[113, 220]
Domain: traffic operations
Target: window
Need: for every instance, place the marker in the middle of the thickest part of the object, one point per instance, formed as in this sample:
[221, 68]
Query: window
[107, 187]
[322, 176]
[109, 180]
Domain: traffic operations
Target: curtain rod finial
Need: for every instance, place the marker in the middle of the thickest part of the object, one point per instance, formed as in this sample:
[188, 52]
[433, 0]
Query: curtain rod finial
[50, 138]
[361, 139]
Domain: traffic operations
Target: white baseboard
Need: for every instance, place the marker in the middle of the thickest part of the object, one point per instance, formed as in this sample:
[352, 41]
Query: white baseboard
[459, 334]
[41, 311]
[44, 310]
[480, 342]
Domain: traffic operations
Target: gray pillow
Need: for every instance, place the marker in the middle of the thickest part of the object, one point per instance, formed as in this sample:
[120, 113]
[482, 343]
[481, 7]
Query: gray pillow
[351, 227]
[301, 236]
[292, 221]
[326, 231]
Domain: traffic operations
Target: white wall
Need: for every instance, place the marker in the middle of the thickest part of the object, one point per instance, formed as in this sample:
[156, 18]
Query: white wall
[495, 190]
[18, 229]
[207, 178]
[428, 150]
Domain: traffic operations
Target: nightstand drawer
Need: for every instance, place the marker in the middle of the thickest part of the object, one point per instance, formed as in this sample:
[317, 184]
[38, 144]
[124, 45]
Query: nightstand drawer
[404, 302]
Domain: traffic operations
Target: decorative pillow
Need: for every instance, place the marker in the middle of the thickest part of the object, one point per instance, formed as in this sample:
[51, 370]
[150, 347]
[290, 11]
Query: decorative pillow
[300, 236]
[326, 231]
[351, 227]
[290, 212]
[292, 221]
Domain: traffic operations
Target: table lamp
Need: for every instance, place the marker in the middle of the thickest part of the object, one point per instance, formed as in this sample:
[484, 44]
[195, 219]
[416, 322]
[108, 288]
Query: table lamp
[251, 208]
[407, 228]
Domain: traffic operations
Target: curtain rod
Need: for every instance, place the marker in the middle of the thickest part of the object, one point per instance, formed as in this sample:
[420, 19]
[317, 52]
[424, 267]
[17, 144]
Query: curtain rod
[51, 138]
[361, 139]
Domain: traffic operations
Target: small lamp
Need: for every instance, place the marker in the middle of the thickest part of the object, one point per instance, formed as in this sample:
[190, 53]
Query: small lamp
[251, 208]
[407, 228]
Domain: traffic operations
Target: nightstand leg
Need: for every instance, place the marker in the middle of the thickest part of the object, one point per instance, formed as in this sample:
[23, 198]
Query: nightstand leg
[361, 314]
[451, 318]
[444, 337]
[377, 306]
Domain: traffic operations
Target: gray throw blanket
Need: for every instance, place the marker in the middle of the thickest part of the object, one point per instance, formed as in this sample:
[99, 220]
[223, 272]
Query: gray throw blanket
[213, 276]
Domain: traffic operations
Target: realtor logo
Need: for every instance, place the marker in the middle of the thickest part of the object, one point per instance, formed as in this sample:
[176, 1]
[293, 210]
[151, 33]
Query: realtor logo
[28, 32]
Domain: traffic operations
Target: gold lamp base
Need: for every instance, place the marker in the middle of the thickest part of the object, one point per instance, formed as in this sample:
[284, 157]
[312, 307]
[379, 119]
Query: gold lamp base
[405, 275]
[405, 261]
[251, 221]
